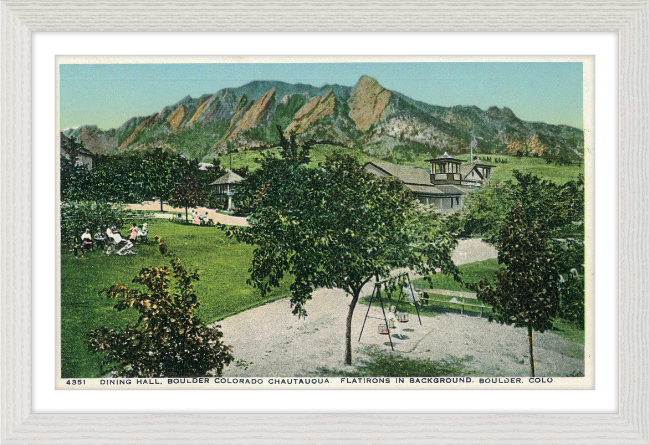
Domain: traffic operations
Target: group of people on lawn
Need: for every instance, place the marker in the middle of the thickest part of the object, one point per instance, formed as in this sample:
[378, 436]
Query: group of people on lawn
[111, 239]
[201, 220]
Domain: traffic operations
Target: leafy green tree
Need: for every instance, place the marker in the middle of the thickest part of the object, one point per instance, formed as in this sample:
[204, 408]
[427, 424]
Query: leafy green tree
[291, 151]
[168, 340]
[559, 208]
[335, 226]
[525, 292]
[118, 178]
[187, 193]
[75, 179]
[163, 169]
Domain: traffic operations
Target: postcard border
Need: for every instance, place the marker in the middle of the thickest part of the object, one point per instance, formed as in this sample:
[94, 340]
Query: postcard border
[631, 19]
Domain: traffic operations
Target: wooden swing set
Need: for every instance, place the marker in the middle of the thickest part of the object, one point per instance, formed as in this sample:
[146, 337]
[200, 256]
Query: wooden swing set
[390, 284]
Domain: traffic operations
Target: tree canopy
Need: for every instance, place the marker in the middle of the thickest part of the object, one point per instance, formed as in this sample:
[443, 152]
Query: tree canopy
[187, 192]
[334, 226]
[525, 292]
[557, 209]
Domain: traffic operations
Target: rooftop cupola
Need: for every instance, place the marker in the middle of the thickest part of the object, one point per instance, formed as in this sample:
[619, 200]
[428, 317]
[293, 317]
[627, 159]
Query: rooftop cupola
[445, 169]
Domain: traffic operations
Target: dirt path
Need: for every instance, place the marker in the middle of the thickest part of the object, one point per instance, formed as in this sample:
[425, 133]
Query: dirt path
[216, 217]
[269, 341]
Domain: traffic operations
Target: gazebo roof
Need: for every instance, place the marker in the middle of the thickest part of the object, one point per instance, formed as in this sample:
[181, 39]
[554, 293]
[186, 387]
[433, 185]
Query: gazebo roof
[228, 178]
[445, 157]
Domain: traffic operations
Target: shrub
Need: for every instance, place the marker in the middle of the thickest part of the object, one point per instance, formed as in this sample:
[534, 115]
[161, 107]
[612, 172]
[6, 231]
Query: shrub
[168, 340]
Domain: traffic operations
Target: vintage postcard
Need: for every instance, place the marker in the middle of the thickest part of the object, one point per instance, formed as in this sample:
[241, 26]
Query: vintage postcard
[325, 223]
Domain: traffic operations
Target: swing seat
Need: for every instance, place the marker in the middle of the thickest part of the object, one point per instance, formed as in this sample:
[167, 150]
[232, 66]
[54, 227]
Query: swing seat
[382, 329]
[402, 317]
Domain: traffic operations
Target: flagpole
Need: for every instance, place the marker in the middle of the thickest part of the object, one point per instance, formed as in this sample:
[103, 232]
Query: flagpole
[471, 149]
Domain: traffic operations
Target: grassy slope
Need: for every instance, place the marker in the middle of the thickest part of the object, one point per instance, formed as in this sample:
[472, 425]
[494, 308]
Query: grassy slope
[501, 172]
[222, 289]
[556, 173]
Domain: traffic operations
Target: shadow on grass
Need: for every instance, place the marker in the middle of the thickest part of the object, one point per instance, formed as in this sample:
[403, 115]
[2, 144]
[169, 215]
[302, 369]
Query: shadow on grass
[386, 364]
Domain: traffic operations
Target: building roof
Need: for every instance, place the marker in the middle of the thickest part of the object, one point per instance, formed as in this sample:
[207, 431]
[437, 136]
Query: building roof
[418, 180]
[445, 157]
[438, 190]
[466, 169]
[408, 175]
[228, 178]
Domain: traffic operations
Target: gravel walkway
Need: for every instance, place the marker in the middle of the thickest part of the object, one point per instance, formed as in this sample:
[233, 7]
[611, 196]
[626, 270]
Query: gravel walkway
[269, 341]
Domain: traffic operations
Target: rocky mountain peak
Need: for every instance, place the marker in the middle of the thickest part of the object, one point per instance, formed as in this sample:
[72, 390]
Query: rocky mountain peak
[368, 102]
[365, 115]
[184, 101]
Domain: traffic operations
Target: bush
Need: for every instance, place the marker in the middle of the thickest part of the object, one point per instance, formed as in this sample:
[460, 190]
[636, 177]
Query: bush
[168, 339]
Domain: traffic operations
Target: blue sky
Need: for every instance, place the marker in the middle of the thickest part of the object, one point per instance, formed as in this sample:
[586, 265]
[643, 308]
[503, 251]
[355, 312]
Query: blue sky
[108, 94]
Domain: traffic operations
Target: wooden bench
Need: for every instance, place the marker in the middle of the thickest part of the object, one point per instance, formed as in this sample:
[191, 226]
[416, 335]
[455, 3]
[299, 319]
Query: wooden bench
[462, 295]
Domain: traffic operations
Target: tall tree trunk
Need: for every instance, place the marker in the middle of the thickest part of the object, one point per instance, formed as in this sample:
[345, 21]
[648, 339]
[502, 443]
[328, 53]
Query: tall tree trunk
[530, 344]
[161, 204]
[186, 218]
[348, 328]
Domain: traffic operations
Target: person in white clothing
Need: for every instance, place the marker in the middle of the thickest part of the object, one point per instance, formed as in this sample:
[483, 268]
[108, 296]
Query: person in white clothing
[393, 323]
[86, 243]
[143, 233]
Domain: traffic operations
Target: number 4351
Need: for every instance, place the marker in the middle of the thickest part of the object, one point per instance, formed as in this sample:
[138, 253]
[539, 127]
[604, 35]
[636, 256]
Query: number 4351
[76, 382]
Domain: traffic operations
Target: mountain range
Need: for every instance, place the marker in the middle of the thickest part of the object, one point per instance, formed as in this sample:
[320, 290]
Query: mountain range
[366, 116]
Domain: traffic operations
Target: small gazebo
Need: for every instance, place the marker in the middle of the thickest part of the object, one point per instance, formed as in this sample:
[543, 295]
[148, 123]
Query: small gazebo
[225, 185]
[445, 170]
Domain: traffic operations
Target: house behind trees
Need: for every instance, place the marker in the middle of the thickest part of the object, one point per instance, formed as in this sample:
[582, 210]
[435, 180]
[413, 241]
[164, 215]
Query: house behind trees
[444, 185]
[70, 148]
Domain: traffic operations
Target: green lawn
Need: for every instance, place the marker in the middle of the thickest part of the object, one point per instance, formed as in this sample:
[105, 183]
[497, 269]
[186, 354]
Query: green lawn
[471, 273]
[556, 173]
[223, 265]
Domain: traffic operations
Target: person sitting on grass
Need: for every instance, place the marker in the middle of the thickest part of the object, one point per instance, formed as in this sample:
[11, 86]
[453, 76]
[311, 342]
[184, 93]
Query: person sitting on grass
[134, 233]
[124, 245]
[86, 243]
[196, 219]
[127, 248]
[110, 238]
[100, 239]
[143, 232]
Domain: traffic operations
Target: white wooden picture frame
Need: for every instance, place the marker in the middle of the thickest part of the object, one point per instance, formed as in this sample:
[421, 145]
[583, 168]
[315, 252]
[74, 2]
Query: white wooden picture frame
[631, 19]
